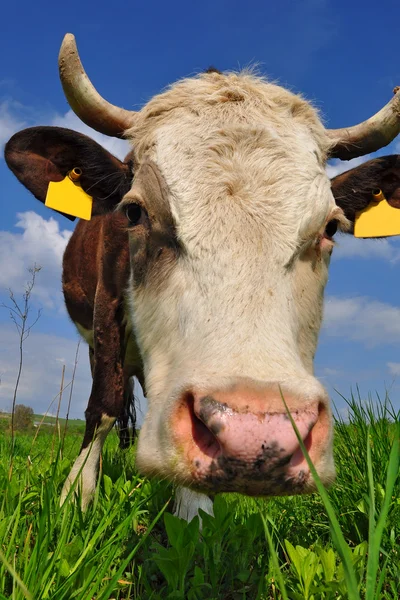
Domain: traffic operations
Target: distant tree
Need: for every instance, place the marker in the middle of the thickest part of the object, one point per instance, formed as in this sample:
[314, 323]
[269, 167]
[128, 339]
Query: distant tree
[20, 316]
[23, 417]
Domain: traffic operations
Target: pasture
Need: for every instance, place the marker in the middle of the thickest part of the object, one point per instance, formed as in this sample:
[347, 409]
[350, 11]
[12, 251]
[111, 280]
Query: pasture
[128, 545]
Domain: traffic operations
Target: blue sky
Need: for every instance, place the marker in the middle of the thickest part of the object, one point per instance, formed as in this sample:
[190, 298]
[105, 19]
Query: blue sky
[343, 56]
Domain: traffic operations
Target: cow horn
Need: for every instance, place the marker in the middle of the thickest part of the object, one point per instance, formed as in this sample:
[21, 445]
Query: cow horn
[83, 98]
[370, 135]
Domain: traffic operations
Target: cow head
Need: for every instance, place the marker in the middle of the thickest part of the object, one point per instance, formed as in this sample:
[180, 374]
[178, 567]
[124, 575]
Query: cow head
[231, 219]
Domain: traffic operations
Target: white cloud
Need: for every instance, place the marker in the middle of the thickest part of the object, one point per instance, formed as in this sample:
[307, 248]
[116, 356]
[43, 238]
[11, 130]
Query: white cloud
[363, 320]
[347, 246]
[340, 166]
[41, 242]
[44, 356]
[394, 368]
[119, 148]
[329, 372]
[9, 121]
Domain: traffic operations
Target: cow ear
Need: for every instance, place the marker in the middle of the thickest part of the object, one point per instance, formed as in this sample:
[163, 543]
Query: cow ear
[353, 189]
[39, 155]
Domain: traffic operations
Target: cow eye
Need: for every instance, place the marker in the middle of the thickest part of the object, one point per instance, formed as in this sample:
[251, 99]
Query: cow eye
[135, 214]
[331, 228]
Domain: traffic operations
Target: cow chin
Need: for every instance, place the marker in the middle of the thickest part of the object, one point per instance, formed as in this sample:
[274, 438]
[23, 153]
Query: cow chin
[241, 439]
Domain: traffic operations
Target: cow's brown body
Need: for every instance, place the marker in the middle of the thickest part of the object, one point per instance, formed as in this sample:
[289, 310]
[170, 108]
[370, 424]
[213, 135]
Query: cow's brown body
[95, 276]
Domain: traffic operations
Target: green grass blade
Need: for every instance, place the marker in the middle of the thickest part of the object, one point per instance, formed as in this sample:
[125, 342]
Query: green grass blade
[275, 562]
[381, 581]
[16, 577]
[337, 535]
[376, 535]
[371, 485]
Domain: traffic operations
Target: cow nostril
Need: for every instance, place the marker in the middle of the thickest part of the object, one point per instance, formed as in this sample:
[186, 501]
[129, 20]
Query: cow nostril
[321, 409]
[202, 435]
[298, 456]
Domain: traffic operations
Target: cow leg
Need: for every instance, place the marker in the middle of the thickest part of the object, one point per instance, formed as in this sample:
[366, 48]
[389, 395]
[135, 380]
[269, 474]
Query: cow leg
[107, 396]
[88, 460]
[86, 466]
[188, 503]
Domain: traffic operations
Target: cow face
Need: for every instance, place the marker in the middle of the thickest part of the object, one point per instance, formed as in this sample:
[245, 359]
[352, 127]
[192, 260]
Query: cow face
[229, 251]
[231, 218]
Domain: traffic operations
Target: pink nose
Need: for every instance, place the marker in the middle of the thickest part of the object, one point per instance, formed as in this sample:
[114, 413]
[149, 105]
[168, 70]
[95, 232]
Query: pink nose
[242, 439]
[243, 435]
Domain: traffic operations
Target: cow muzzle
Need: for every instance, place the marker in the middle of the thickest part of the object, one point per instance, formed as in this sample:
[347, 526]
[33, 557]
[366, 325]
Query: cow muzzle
[241, 439]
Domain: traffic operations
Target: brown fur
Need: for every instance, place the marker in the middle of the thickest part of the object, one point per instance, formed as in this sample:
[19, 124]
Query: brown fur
[96, 271]
[154, 243]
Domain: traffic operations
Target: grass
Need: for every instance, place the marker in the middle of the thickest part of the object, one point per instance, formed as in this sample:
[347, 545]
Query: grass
[128, 545]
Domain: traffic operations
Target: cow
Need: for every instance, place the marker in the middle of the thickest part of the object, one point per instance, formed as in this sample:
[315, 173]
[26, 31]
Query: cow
[202, 272]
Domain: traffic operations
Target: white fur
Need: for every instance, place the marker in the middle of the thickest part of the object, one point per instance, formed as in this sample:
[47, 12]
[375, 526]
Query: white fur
[243, 161]
[188, 503]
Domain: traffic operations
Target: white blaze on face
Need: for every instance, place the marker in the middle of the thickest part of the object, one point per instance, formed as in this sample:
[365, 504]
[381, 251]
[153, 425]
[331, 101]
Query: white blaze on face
[244, 166]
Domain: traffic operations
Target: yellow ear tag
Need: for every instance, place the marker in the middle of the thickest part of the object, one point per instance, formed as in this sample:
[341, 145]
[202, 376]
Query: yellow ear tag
[379, 219]
[68, 197]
